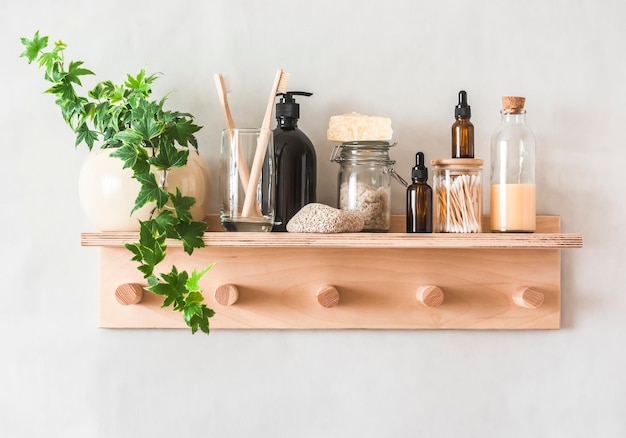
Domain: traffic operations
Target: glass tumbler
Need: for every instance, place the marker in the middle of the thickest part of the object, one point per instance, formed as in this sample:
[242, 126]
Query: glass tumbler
[246, 180]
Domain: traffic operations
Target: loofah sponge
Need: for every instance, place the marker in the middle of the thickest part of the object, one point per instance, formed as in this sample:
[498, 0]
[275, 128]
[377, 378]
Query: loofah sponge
[320, 218]
[357, 127]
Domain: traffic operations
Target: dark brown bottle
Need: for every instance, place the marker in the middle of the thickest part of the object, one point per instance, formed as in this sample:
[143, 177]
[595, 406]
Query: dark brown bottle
[419, 199]
[462, 129]
[295, 161]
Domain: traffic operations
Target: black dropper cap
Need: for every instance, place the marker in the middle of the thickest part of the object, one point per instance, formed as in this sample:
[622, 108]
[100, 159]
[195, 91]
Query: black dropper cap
[419, 172]
[463, 110]
[287, 107]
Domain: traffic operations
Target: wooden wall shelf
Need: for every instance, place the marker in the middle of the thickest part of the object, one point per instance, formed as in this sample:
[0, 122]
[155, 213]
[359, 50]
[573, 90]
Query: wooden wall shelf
[351, 281]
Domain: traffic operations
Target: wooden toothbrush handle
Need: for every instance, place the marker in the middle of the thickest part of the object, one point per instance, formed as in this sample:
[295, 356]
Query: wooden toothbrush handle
[249, 203]
[242, 165]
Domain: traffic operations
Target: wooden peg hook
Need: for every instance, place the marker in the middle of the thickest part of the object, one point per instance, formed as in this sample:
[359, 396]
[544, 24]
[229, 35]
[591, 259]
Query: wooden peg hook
[429, 295]
[528, 297]
[226, 294]
[328, 296]
[129, 293]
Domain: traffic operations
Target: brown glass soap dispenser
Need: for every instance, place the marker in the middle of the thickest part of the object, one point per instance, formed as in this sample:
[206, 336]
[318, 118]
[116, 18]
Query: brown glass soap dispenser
[462, 129]
[419, 199]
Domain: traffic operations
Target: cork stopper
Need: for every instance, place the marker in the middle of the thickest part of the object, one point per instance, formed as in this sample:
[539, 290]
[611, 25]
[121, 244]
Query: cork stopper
[513, 104]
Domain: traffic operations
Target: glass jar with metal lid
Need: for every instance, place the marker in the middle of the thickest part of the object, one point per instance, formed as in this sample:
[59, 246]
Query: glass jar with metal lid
[364, 181]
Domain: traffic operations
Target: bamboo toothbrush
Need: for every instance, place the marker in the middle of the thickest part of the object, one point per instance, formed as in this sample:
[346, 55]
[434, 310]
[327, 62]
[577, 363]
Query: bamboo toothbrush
[280, 86]
[223, 89]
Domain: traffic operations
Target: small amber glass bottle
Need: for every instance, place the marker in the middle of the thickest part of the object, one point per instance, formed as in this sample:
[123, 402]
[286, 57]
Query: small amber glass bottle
[462, 129]
[419, 199]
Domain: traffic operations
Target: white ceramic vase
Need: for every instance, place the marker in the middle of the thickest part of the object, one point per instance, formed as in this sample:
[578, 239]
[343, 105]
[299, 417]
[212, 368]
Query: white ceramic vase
[107, 192]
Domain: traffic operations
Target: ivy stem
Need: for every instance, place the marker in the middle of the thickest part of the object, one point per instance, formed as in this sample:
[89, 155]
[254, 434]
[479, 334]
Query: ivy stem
[162, 186]
[163, 179]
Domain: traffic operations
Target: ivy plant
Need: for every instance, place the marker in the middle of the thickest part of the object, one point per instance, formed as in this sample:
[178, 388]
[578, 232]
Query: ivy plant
[149, 140]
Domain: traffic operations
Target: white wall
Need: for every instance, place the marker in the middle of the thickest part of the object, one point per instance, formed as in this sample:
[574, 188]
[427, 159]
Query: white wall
[62, 376]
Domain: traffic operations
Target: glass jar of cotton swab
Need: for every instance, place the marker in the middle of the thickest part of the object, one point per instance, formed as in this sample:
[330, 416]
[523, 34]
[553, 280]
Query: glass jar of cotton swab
[457, 195]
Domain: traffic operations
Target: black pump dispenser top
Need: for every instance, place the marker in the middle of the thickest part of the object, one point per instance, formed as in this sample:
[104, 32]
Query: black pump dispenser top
[463, 110]
[287, 107]
[419, 172]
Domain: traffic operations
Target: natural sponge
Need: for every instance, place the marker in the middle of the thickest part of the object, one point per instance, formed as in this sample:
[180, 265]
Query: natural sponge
[320, 218]
[357, 127]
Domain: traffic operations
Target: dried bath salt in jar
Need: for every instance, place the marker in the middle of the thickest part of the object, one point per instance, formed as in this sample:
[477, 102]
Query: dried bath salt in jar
[364, 182]
[457, 195]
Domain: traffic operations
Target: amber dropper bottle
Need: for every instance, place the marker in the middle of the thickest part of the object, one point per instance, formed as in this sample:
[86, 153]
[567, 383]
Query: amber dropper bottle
[462, 129]
[419, 199]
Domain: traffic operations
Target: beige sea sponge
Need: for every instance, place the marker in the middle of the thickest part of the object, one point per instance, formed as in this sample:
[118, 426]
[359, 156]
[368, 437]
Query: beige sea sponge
[358, 127]
[321, 218]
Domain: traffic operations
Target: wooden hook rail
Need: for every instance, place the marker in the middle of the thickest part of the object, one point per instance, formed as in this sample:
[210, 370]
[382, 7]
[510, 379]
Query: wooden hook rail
[328, 296]
[353, 281]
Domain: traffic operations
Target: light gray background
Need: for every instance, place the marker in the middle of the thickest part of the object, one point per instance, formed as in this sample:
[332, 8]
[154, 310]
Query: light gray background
[62, 376]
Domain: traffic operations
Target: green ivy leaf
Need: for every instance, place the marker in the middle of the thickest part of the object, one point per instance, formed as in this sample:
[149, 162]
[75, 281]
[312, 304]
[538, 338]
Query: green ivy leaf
[132, 155]
[72, 110]
[141, 83]
[52, 62]
[101, 116]
[182, 130]
[75, 70]
[87, 135]
[169, 157]
[149, 191]
[130, 137]
[150, 251]
[182, 205]
[117, 94]
[147, 127]
[65, 91]
[34, 46]
[193, 297]
[201, 321]
[165, 222]
[190, 310]
[191, 235]
[193, 284]
[102, 90]
[173, 288]
[107, 116]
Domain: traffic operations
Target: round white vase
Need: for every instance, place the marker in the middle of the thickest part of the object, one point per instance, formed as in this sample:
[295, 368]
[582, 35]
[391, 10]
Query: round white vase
[107, 192]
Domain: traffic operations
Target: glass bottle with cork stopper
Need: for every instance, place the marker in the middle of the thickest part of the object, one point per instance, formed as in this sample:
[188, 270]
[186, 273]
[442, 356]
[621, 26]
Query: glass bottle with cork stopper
[513, 189]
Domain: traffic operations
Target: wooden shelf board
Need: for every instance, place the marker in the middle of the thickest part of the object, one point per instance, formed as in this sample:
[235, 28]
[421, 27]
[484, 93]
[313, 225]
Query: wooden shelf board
[538, 240]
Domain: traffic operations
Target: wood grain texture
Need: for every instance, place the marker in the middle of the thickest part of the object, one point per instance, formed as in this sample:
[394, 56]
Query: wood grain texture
[278, 288]
[278, 285]
[328, 296]
[546, 236]
[528, 297]
[129, 293]
[226, 294]
[429, 295]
